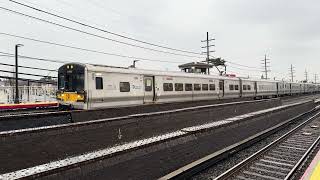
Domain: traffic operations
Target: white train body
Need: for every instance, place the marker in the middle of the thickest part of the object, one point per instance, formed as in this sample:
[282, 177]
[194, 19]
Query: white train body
[85, 86]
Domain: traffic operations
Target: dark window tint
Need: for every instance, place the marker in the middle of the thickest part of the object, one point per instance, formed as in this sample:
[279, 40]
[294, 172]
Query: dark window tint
[205, 87]
[188, 87]
[231, 87]
[167, 87]
[99, 83]
[212, 87]
[244, 87]
[249, 87]
[178, 87]
[197, 87]
[236, 87]
[124, 87]
[147, 84]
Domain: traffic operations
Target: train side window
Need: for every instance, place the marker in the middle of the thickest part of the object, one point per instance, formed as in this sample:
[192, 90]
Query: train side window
[167, 86]
[99, 83]
[244, 87]
[197, 87]
[212, 87]
[148, 85]
[205, 87]
[236, 87]
[188, 87]
[178, 87]
[124, 87]
[231, 87]
[249, 87]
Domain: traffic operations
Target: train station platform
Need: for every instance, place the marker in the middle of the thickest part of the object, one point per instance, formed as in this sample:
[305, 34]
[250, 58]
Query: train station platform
[28, 105]
[313, 171]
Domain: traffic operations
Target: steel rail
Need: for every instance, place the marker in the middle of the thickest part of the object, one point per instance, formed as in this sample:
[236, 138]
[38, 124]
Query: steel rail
[254, 156]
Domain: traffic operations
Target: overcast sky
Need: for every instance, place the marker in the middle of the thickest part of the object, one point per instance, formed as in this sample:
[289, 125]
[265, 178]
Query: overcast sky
[288, 31]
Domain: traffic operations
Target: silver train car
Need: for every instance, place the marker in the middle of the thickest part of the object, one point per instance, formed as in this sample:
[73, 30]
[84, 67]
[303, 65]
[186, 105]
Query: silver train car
[86, 86]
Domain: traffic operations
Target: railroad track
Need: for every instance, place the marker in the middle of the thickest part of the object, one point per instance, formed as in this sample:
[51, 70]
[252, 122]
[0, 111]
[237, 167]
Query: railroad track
[27, 111]
[282, 158]
[150, 108]
[64, 137]
[34, 119]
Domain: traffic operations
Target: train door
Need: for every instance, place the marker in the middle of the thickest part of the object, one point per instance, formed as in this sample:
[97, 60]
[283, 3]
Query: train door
[255, 88]
[149, 89]
[241, 88]
[221, 88]
[290, 86]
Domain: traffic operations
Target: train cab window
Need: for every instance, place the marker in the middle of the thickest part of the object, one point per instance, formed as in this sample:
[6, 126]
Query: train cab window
[167, 86]
[236, 87]
[205, 87]
[178, 87]
[212, 87]
[124, 87]
[197, 87]
[249, 88]
[188, 87]
[99, 83]
[244, 87]
[231, 87]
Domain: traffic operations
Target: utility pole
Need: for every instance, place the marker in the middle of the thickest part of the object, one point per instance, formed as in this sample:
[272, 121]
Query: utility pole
[292, 72]
[16, 99]
[306, 75]
[265, 66]
[208, 49]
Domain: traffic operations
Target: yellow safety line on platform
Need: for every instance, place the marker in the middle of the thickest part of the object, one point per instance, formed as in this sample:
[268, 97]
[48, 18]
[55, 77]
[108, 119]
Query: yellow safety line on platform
[316, 172]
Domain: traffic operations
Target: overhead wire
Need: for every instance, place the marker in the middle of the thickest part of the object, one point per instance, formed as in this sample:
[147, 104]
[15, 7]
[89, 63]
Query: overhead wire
[88, 50]
[96, 28]
[94, 35]
[28, 74]
[28, 67]
[103, 30]
[106, 31]
[34, 58]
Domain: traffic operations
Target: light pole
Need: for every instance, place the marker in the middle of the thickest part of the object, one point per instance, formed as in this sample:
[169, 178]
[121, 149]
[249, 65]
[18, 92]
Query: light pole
[16, 99]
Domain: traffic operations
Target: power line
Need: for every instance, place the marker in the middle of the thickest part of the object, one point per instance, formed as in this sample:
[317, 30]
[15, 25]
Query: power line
[109, 32]
[35, 58]
[28, 74]
[103, 30]
[95, 35]
[28, 67]
[88, 50]
[244, 69]
[243, 65]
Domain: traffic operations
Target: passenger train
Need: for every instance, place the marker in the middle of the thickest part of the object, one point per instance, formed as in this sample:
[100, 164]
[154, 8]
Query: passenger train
[87, 86]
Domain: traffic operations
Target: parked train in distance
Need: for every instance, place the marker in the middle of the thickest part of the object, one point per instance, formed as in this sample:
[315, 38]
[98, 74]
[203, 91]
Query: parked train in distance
[87, 86]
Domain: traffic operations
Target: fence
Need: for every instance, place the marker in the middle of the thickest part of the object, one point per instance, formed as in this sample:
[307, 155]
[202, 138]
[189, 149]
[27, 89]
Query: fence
[28, 94]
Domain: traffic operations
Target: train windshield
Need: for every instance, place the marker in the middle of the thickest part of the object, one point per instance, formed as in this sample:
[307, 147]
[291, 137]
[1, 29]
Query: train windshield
[71, 78]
